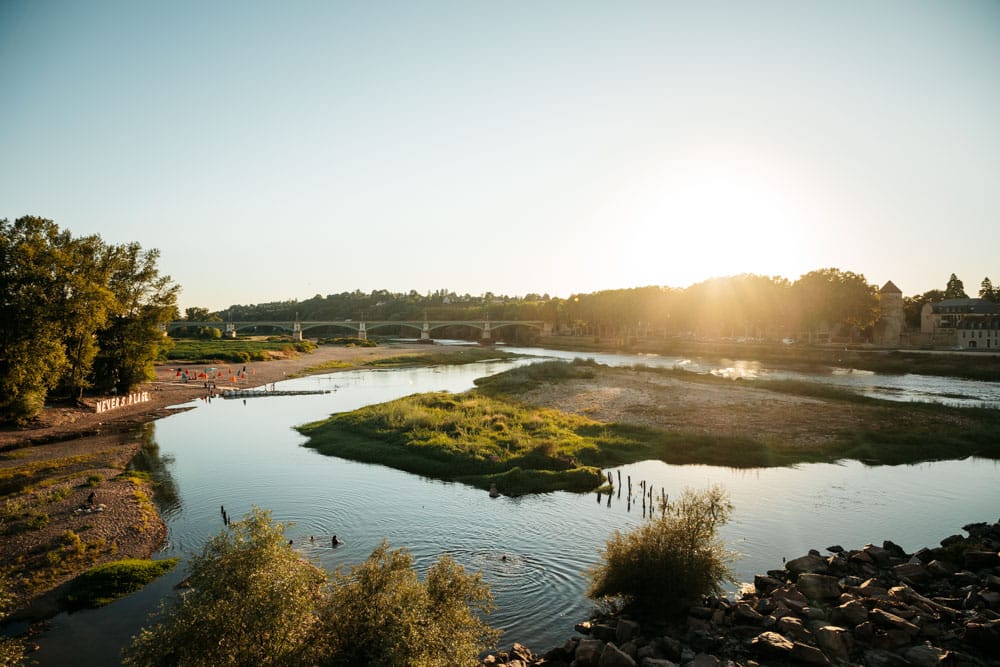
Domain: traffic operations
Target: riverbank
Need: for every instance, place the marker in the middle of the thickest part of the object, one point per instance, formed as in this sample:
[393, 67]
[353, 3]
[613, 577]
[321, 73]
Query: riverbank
[873, 606]
[51, 526]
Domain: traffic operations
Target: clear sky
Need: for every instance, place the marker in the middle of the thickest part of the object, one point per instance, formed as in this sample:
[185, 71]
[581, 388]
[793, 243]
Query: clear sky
[277, 150]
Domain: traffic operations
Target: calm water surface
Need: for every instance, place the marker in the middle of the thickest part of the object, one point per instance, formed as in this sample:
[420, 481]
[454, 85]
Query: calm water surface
[532, 550]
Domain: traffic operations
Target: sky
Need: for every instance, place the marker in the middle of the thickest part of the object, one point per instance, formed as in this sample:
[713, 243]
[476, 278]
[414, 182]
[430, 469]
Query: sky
[274, 151]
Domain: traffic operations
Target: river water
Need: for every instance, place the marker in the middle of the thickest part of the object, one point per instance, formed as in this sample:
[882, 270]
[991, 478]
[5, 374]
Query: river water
[532, 550]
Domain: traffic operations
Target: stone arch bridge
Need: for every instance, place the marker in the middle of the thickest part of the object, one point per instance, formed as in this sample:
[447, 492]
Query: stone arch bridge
[361, 328]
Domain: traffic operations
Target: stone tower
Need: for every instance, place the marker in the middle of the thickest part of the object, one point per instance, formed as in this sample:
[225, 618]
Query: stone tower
[889, 328]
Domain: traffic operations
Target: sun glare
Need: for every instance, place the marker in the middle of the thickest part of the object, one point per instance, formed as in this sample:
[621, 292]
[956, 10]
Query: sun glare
[722, 214]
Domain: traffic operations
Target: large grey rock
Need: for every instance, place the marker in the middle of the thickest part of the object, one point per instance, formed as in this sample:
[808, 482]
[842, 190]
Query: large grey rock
[924, 655]
[703, 660]
[808, 655]
[615, 657]
[850, 613]
[914, 572]
[810, 563]
[771, 644]
[818, 586]
[657, 662]
[626, 631]
[880, 658]
[886, 619]
[834, 641]
[588, 652]
[793, 628]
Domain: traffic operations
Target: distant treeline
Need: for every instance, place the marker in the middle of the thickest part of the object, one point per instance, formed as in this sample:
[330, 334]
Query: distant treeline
[746, 305]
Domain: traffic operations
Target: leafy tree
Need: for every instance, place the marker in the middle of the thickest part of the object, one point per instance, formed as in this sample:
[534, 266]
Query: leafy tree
[33, 268]
[144, 300]
[380, 613]
[832, 297]
[253, 602]
[986, 290]
[664, 566]
[955, 289]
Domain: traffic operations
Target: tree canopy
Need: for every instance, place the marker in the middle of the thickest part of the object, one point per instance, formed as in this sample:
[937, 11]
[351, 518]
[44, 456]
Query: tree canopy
[75, 312]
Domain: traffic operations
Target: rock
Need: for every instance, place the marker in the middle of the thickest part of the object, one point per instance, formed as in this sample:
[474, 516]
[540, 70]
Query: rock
[793, 628]
[790, 595]
[880, 658]
[835, 549]
[615, 657]
[771, 644]
[924, 655]
[810, 563]
[818, 586]
[703, 660]
[744, 614]
[834, 641]
[991, 599]
[985, 636]
[885, 619]
[879, 555]
[764, 584]
[588, 652]
[939, 568]
[952, 539]
[850, 613]
[894, 549]
[626, 631]
[604, 631]
[809, 655]
[583, 628]
[521, 652]
[912, 571]
[657, 662]
[980, 560]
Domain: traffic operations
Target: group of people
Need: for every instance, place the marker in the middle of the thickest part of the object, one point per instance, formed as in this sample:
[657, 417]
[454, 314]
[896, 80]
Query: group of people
[334, 541]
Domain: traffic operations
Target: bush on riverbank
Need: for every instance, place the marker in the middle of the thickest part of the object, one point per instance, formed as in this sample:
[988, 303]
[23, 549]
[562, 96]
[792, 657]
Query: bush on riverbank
[664, 566]
[525, 378]
[255, 601]
[238, 351]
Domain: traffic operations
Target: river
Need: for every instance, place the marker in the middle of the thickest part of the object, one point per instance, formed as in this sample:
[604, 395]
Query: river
[532, 550]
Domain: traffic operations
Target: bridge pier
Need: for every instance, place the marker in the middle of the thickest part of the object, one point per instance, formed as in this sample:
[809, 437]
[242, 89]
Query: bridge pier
[362, 333]
[297, 331]
[230, 330]
[425, 333]
[487, 336]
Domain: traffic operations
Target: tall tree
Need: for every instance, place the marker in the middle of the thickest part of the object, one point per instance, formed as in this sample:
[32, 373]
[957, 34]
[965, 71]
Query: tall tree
[133, 338]
[986, 290]
[32, 355]
[955, 289]
[834, 297]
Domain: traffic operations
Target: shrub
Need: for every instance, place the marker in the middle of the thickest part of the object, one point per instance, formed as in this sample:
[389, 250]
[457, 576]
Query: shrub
[664, 566]
[379, 613]
[94, 480]
[106, 583]
[252, 602]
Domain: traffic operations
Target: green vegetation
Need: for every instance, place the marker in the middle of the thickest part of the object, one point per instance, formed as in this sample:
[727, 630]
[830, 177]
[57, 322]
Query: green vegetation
[667, 564]
[255, 601]
[348, 342]
[468, 438]
[76, 313]
[238, 350]
[525, 378]
[468, 355]
[106, 583]
[380, 613]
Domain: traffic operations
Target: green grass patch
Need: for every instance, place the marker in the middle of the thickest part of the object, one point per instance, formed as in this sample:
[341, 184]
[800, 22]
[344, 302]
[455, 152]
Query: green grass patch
[106, 583]
[525, 378]
[331, 365]
[348, 342]
[235, 350]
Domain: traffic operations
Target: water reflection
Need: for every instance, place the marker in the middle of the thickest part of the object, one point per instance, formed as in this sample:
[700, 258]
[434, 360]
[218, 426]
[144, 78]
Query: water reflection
[151, 461]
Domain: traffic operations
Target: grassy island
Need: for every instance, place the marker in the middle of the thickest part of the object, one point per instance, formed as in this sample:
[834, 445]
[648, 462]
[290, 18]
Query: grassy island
[554, 425]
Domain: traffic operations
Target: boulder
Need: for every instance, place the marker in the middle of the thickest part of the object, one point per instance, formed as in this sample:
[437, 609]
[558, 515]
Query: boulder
[980, 560]
[810, 563]
[914, 572]
[615, 657]
[626, 631]
[744, 614]
[850, 613]
[834, 641]
[703, 660]
[808, 655]
[764, 584]
[588, 652]
[924, 655]
[880, 658]
[771, 644]
[793, 628]
[818, 586]
[657, 662]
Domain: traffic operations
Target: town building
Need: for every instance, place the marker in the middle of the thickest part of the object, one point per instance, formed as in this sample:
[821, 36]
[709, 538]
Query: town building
[966, 323]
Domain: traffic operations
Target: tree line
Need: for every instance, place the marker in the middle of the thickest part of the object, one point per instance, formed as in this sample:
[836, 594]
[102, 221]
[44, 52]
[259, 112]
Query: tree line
[741, 306]
[75, 313]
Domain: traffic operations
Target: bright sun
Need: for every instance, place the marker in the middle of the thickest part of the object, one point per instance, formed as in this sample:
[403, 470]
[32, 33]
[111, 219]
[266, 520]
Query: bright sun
[720, 213]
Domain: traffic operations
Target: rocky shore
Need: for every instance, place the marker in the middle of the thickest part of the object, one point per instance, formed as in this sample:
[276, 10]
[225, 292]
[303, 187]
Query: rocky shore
[877, 606]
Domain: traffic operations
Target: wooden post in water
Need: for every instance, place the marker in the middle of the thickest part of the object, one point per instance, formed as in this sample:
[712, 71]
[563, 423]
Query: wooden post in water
[619, 483]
